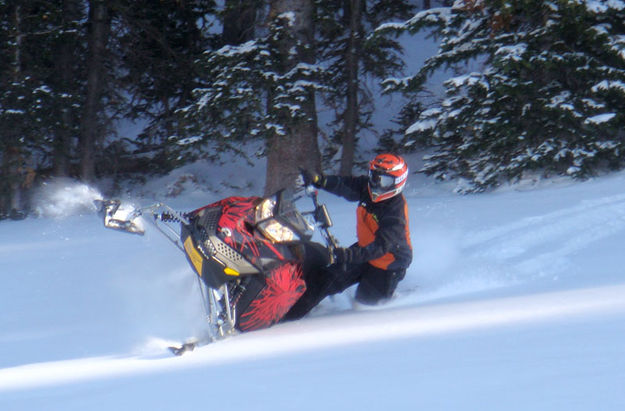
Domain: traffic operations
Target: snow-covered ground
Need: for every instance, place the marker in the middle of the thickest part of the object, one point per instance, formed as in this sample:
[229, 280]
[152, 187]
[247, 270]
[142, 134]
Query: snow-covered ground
[515, 301]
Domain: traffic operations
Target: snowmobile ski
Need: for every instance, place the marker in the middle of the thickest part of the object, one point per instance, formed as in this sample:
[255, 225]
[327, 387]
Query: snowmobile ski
[183, 348]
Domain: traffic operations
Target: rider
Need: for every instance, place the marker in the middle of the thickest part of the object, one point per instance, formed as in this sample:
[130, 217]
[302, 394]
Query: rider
[378, 261]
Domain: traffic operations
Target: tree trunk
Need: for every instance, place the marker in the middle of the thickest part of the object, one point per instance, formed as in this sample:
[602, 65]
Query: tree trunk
[17, 58]
[299, 146]
[9, 164]
[239, 21]
[89, 129]
[63, 140]
[353, 13]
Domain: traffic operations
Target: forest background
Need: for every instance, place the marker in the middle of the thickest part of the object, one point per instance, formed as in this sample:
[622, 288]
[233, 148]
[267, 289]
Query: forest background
[531, 87]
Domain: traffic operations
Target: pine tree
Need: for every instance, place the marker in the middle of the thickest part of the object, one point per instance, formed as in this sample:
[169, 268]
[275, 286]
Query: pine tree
[36, 103]
[550, 98]
[66, 76]
[293, 105]
[159, 47]
[343, 28]
[67, 51]
[261, 90]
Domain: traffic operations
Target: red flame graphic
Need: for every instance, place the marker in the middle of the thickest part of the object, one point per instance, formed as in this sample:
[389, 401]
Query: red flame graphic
[284, 287]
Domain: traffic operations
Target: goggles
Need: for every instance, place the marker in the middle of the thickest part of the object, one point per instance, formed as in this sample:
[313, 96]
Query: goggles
[379, 180]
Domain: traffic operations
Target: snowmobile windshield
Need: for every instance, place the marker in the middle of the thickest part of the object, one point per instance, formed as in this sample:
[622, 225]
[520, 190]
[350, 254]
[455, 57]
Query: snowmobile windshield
[288, 213]
[279, 220]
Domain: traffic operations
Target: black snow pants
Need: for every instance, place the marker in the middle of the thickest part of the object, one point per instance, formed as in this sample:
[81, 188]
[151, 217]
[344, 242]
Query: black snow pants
[374, 284]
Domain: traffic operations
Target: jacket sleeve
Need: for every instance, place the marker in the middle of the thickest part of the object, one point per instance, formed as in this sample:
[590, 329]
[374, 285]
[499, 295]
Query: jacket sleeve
[350, 188]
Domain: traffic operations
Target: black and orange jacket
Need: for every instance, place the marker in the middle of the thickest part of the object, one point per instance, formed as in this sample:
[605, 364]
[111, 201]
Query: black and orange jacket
[382, 228]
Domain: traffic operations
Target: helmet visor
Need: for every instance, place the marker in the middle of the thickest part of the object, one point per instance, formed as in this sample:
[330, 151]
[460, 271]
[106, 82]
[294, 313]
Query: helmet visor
[379, 181]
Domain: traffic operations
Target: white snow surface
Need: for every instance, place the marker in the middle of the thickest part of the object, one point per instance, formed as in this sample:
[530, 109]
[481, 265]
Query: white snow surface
[515, 300]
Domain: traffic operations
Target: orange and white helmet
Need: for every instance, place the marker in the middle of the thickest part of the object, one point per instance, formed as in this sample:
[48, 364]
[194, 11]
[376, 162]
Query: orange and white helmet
[387, 176]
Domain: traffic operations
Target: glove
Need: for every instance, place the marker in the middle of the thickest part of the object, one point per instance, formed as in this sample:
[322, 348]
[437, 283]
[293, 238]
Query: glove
[312, 178]
[343, 255]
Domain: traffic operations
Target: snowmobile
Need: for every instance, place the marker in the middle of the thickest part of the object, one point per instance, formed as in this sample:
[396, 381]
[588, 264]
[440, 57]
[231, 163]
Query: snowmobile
[250, 255]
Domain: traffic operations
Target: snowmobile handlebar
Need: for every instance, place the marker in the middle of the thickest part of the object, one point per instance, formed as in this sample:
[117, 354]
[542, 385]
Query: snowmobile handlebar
[322, 216]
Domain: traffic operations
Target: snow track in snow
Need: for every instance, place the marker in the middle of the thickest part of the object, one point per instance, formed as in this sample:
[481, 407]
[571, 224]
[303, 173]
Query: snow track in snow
[605, 216]
[541, 245]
